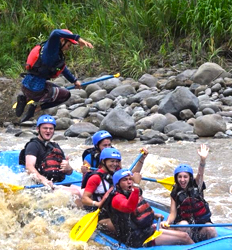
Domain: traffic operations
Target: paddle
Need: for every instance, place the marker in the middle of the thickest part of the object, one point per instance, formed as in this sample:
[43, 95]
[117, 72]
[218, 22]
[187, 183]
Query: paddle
[167, 182]
[82, 84]
[156, 234]
[6, 187]
[202, 225]
[96, 80]
[85, 227]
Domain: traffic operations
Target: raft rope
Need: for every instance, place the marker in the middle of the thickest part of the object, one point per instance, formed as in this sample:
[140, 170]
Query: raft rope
[212, 240]
[117, 246]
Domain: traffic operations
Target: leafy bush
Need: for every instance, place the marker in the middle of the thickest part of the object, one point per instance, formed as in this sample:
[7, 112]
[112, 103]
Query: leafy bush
[128, 36]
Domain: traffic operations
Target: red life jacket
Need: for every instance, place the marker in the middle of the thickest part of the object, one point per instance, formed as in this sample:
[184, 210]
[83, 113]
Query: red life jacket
[35, 66]
[192, 207]
[131, 228]
[50, 165]
[144, 214]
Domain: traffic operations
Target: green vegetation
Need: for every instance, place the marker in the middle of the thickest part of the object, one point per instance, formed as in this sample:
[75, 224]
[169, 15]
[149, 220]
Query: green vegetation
[129, 36]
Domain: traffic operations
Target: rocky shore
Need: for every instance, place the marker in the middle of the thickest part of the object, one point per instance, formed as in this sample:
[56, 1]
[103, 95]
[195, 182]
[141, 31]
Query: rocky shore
[165, 104]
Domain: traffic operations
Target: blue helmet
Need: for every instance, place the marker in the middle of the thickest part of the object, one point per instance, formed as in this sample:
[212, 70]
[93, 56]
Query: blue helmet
[101, 135]
[46, 119]
[110, 153]
[119, 175]
[183, 168]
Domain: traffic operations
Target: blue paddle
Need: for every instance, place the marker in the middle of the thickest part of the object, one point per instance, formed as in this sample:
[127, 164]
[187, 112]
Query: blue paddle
[6, 187]
[94, 81]
[203, 225]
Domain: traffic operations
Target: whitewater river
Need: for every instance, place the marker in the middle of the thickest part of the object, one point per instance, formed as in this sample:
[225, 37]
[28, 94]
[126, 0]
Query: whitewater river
[39, 219]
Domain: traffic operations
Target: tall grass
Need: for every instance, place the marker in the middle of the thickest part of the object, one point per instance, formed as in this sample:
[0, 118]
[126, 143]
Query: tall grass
[128, 36]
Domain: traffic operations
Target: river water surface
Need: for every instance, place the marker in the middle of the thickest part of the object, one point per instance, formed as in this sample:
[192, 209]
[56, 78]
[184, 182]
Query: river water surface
[36, 219]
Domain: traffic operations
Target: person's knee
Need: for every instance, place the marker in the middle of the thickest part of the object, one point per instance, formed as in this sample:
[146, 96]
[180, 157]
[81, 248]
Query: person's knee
[211, 232]
[186, 238]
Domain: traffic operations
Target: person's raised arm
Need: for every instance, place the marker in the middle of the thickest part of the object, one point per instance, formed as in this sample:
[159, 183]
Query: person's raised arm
[203, 153]
[139, 164]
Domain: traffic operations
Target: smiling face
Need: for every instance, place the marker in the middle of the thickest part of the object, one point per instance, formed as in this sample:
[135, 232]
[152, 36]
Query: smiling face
[183, 179]
[46, 131]
[111, 164]
[126, 183]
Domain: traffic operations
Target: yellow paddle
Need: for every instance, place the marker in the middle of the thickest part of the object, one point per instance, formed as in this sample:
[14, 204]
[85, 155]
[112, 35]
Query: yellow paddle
[85, 227]
[10, 187]
[167, 182]
[156, 234]
[82, 84]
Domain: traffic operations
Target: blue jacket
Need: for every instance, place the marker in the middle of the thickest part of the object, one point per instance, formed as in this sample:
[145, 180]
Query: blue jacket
[50, 57]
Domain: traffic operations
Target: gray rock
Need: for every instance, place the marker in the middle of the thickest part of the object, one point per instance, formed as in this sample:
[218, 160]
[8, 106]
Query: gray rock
[220, 135]
[92, 88]
[77, 128]
[104, 104]
[148, 80]
[119, 124]
[186, 114]
[227, 100]
[110, 84]
[178, 125]
[80, 112]
[208, 111]
[63, 123]
[98, 95]
[208, 72]
[227, 92]
[123, 90]
[63, 113]
[159, 122]
[185, 137]
[179, 99]
[209, 125]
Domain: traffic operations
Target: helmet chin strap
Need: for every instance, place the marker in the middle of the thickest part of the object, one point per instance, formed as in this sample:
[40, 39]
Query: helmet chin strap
[62, 45]
[110, 172]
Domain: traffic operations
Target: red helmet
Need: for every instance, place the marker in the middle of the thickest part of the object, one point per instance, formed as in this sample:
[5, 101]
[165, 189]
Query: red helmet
[70, 40]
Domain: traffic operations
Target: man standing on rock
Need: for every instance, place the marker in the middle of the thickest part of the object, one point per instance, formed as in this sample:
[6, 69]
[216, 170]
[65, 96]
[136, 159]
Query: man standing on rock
[44, 62]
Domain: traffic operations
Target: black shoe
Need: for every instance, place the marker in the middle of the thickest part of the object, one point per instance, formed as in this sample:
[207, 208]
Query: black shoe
[21, 103]
[29, 114]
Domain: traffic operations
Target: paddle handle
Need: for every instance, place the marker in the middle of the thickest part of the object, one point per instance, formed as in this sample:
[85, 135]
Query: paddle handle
[203, 225]
[136, 161]
[148, 179]
[158, 224]
[56, 183]
[94, 81]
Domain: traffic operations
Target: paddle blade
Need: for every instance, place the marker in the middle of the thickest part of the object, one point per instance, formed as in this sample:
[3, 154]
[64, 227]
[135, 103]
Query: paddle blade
[153, 236]
[85, 227]
[9, 187]
[168, 183]
[117, 75]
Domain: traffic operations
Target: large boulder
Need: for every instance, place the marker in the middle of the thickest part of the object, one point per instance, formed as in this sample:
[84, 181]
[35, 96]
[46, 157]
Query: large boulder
[119, 124]
[179, 99]
[209, 125]
[208, 72]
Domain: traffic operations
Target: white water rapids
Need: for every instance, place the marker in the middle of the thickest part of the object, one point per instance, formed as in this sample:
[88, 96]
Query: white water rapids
[38, 219]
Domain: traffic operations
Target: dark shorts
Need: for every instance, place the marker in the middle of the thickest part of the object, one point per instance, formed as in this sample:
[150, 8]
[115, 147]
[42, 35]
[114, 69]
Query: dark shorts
[51, 93]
